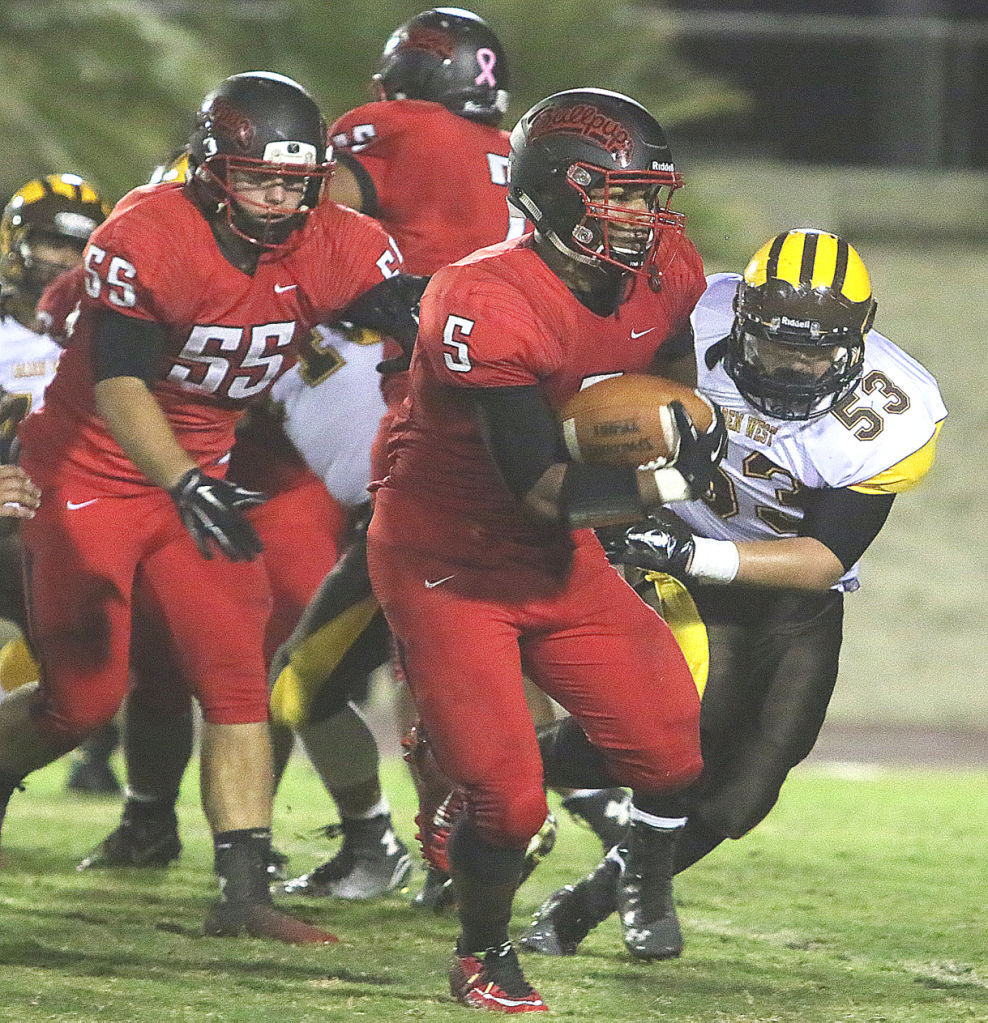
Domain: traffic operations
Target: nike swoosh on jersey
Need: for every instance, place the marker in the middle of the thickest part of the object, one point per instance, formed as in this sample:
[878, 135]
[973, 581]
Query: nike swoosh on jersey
[76, 505]
[635, 334]
[431, 584]
[279, 288]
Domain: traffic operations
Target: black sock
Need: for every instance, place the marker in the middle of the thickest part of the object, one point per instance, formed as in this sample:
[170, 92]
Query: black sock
[485, 877]
[695, 841]
[671, 805]
[141, 810]
[240, 860]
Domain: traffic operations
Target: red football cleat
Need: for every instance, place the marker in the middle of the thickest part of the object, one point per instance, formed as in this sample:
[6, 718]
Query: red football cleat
[261, 920]
[494, 982]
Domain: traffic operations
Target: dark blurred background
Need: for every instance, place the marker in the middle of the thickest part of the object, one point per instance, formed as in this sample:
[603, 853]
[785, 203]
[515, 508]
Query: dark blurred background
[896, 83]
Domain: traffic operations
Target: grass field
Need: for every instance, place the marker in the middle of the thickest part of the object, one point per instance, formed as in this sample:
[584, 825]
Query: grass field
[860, 900]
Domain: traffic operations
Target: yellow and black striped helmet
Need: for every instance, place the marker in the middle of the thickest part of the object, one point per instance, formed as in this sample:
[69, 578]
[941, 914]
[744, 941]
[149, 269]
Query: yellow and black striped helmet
[58, 207]
[175, 168]
[802, 311]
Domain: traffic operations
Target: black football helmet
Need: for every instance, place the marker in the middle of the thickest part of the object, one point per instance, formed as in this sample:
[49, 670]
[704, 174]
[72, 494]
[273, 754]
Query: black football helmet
[60, 209]
[802, 310]
[450, 56]
[264, 123]
[577, 159]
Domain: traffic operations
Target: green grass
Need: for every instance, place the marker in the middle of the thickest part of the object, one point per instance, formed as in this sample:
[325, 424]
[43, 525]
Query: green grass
[860, 900]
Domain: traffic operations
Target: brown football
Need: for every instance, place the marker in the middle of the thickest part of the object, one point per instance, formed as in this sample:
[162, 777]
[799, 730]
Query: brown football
[625, 420]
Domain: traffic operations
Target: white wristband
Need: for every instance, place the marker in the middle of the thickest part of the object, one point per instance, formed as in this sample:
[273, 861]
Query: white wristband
[672, 485]
[714, 561]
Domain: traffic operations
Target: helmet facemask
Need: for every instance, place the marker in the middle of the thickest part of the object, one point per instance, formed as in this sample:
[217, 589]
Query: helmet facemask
[802, 310]
[43, 232]
[626, 221]
[793, 375]
[259, 158]
[44, 256]
[247, 207]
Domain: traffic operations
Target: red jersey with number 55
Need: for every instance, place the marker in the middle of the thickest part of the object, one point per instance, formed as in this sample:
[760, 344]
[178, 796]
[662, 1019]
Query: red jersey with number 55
[228, 335]
[502, 318]
[441, 180]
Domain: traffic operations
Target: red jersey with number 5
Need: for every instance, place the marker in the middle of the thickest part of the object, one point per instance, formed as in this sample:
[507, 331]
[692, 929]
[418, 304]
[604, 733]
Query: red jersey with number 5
[502, 318]
[441, 180]
[228, 335]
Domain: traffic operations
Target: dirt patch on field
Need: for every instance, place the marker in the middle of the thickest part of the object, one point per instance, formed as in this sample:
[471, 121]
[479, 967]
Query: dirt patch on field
[914, 744]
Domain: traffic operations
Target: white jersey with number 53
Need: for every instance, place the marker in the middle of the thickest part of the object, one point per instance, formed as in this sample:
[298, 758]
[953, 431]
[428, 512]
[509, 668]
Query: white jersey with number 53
[879, 440]
[332, 405]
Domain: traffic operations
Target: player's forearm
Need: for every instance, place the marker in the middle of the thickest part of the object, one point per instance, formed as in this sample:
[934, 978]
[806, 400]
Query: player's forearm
[800, 563]
[592, 496]
[138, 425]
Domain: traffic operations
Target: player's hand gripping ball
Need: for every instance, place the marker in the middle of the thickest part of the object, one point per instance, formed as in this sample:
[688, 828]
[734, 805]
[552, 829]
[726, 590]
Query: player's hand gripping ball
[627, 420]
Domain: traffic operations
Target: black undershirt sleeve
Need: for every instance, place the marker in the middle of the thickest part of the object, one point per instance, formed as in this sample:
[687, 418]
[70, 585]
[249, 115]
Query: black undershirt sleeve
[524, 439]
[521, 433]
[368, 193]
[124, 346]
[845, 520]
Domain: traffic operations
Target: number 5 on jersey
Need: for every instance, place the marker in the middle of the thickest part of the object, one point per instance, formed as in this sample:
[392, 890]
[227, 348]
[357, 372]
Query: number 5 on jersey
[457, 328]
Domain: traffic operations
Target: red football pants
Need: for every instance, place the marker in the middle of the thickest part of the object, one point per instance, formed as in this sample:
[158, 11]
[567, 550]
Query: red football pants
[87, 560]
[301, 530]
[466, 636]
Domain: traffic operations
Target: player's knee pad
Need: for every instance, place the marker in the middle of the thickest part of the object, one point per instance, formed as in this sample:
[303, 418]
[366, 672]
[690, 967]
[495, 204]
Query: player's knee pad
[65, 727]
[509, 816]
[233, 704]
[670, 763]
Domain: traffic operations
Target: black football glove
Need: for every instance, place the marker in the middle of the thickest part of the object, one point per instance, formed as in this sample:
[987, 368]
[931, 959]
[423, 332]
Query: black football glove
[210, 510]
[699, 453]
[664, 543]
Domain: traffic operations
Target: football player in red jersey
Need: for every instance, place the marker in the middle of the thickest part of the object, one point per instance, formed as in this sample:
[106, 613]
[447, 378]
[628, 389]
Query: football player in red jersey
[481, 549]
[426, 152]
[195, 297]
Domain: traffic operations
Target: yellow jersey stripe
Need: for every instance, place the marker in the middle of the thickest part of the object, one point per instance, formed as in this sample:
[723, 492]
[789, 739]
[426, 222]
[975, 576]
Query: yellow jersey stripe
[904, 474]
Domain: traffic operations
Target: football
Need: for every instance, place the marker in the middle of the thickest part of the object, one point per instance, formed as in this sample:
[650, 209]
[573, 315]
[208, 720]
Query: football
[625, 420]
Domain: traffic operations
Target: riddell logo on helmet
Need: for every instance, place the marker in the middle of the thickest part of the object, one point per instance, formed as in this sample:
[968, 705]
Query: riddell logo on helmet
[428, 40]
[586, 120]
[227, 120]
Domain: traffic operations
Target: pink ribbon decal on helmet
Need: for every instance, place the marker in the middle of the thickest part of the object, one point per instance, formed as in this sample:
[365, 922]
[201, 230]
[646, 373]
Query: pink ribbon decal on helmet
[486, 59]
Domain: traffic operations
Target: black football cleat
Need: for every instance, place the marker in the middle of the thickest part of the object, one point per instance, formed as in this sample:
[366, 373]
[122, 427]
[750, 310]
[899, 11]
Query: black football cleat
[260, 919]
[147, 836]
[93, 778]
[607, 812]
[437, 892]
[644, 893]
[568, 915]
[493, 980]
[371, 862]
